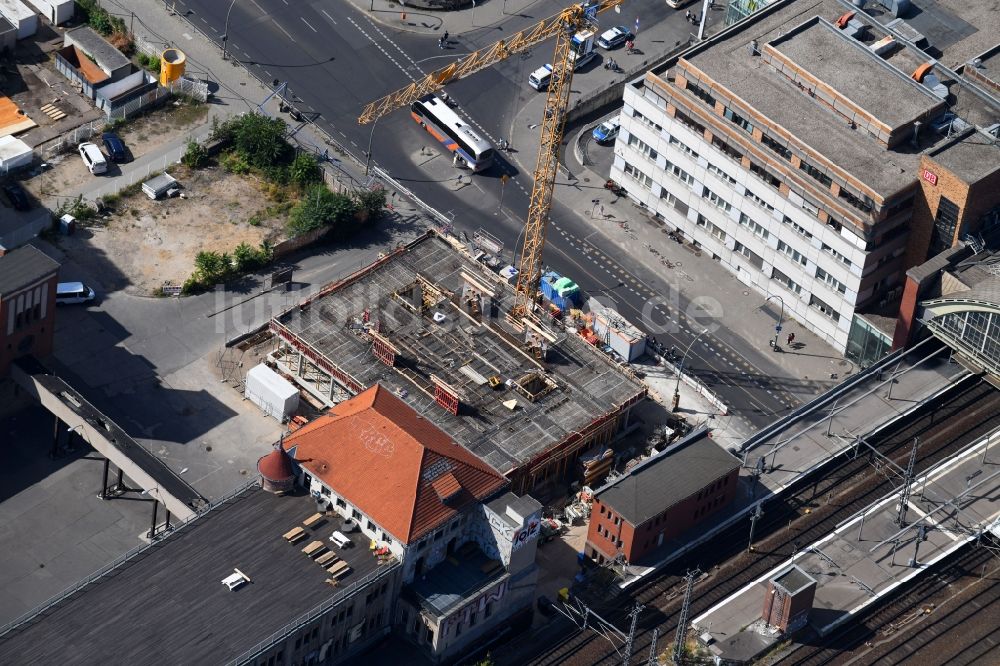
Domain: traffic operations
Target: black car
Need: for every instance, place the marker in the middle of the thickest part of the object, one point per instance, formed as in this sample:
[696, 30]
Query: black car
[17, 196]
[115, 147]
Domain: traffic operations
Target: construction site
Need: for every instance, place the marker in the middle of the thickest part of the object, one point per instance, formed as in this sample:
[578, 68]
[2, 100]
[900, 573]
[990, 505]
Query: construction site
[435, 327]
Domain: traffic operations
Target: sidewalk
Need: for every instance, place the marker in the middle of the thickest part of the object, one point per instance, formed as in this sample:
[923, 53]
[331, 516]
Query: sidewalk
[457, 21]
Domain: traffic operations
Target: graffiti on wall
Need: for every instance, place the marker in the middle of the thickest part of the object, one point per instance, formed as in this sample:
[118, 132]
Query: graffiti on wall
[526, 533]
[476, 605]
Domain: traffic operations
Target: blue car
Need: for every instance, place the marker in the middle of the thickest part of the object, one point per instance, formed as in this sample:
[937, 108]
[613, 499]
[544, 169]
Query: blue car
[115, 147]
[607, 131]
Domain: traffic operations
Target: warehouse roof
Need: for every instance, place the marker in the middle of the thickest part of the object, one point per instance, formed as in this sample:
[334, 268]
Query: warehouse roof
[24, 266]
[669, 477]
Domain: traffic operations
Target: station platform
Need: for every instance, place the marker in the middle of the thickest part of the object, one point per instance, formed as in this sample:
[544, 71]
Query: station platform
[803, 442]
[870, 555]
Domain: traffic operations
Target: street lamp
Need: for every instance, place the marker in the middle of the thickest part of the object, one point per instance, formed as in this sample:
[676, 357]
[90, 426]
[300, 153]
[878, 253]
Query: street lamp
[781, 314]
[368, 153]
[680, 369]
[225, 30]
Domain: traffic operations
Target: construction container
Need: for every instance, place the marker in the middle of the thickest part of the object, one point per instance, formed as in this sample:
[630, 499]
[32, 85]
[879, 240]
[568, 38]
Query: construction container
[560, 291]
[616, 332]
[21, 16]
[56, 11]
[274, 395]
[14, 154]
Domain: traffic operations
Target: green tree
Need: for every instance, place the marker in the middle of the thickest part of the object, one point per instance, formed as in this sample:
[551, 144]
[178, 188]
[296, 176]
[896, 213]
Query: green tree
[320, 207]
[195, 156]
[211, 267]
[245, 257]
[304, 170]
[260, 140]
[371, 203]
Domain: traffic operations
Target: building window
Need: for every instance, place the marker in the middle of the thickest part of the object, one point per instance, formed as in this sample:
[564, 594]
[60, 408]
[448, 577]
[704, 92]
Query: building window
[798, 228]
[756, 228]
[713, 229]
[355, 514]
[673, 201]
[791, 253]
[701, 94]
[721, 174]
[683, 147]
[341, 502]
[833, 253]
[824, 308]
[679, 173]
[738, 120]
[945, 223]
[646, 121]
[638, 175]
[764, 175]
[776, 147]
[865, 204]
[757, 200]
[727, 149]
[689, 121]
[717, 200]
[324, 491]
[815, 173]
[830, 280]
[642, 146]
[750, 255]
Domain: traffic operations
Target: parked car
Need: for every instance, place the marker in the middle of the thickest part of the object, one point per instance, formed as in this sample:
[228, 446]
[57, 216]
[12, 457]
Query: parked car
[614, 37]
[71, 293]
[93, 158]
[607, 131]
[17, 196]
[115, 147]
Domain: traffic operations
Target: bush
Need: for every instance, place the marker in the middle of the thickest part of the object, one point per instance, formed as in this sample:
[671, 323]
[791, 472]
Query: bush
[304, 170]
[195, 156]
[320, 207]
[371, 203]
[234, 163]
[260, 140]
[78, 208]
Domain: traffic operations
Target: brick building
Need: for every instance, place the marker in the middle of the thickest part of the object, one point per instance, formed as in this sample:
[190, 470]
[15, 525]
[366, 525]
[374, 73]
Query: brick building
[661, 498]
[772, 146]
[28, 279]
[788, 599]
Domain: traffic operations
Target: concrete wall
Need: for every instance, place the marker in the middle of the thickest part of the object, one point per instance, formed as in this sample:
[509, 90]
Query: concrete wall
[27, 321]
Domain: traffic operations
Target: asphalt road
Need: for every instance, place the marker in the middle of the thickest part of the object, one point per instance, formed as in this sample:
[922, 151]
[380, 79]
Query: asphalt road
[335, 60]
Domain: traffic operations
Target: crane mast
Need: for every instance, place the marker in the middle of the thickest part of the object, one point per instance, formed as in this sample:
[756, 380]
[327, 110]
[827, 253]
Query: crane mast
[562, 26]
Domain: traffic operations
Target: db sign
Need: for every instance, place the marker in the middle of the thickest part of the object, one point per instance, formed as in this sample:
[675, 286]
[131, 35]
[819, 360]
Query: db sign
[929, 176]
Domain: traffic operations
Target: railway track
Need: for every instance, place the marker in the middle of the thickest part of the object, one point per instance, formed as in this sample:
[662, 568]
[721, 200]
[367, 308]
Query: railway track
[809, 512]
[912, 627]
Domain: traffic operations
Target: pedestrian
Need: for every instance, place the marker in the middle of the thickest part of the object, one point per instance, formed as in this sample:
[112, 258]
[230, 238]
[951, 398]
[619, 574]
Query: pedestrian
[687, 15]
[441, 43]
[628, 46]
[791, 339]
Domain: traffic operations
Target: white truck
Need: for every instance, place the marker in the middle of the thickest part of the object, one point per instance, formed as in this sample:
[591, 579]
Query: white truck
[581, 52]
[582, 49]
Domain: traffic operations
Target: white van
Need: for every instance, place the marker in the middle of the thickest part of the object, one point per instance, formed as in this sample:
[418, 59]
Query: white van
[93, 158]
[70, 293]
[539, 79]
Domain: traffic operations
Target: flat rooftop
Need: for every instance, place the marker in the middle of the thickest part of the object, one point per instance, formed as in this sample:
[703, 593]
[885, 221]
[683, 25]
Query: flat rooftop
[416, 300]
[870, 555]
[972, 156]
[955, 31]
[793, 579]
[879, 85]
[24, 266]
[451, 582]
[172, 594]
[98, 48]
[855, 72]
[669, 477]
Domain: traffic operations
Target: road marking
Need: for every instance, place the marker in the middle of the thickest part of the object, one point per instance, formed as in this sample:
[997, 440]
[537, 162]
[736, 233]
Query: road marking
[307, 23]
[328, 16]
[277, 25]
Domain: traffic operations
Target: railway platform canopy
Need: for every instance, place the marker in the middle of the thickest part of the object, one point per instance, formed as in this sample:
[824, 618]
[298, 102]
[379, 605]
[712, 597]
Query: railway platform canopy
[806, 440]
[868, 556]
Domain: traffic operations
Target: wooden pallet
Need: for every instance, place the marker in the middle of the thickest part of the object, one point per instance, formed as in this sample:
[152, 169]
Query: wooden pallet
[53, 112]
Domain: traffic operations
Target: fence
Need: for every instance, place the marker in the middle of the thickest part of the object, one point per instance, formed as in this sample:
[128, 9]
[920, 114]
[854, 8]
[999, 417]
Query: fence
[69, 141]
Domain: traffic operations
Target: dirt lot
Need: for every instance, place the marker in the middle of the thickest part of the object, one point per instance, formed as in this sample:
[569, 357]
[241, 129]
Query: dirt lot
[142, 135]
[152, 242]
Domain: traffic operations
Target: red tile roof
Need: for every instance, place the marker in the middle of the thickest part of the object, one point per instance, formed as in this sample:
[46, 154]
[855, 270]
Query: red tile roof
[276, 465]
[393, 464]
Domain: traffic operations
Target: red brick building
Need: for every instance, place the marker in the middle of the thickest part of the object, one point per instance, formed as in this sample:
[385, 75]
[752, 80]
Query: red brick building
[661, 498]
[28, 279]
[788, 599]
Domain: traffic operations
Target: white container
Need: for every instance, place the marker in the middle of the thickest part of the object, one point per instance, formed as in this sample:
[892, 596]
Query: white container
[14, 153]
[624, 338]
[56, 11]
[20, 16]
[275, 396]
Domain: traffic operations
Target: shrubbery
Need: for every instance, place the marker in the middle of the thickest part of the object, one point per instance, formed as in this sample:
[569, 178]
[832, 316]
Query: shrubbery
[211, 268]
[195, 156]
[99, 19]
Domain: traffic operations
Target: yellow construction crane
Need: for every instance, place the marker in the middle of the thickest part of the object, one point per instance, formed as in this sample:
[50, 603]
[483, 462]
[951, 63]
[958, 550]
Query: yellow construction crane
[562, 26]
